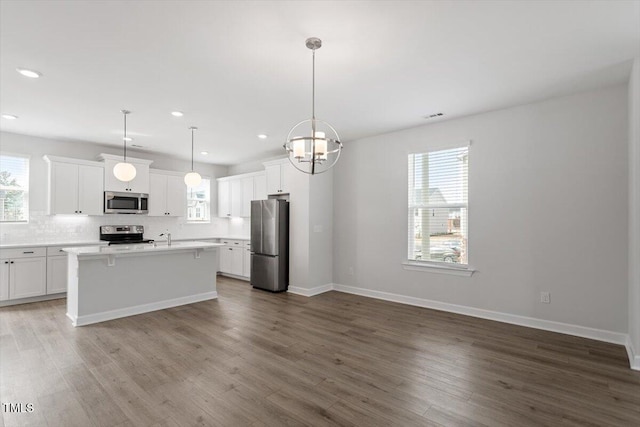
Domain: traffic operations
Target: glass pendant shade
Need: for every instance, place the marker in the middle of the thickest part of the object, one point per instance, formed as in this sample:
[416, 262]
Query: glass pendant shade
[192, 179]
[124, 172]
[313, 154]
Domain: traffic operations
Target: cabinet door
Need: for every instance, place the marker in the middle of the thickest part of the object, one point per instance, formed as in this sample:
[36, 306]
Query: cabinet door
[27, 277]
[90, 190]
[225, 259]
[56, 274]
[236, 197]
[246, 263]
[260, 187]
[64, 188]
[224, 199]
[176, 196]
[237, 258]
[286, 172]
[4, 280]
[273, 179]
[140, 184]
[157, 194]
[111, 183]
[247, 196]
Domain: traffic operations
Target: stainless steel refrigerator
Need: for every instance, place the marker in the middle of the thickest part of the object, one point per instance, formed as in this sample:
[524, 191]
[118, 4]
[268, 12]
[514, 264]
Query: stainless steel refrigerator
[270, 244]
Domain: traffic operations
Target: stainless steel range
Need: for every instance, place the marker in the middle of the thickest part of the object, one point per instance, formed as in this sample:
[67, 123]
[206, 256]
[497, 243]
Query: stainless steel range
[123, 234]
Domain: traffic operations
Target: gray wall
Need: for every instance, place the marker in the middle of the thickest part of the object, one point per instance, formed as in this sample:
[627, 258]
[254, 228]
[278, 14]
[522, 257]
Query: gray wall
[634, 210]
[547, 202]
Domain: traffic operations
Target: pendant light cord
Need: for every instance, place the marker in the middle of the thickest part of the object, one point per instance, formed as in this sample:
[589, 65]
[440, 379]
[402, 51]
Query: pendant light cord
[125, 136]
[313, 112]
[192, 149]
[313, 87]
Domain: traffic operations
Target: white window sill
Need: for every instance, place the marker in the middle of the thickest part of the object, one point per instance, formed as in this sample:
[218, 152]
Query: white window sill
[451, 269]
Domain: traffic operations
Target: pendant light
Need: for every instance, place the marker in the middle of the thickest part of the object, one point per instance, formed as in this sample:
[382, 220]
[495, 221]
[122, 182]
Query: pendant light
[319, 147]
[193, 178]
[124, 171]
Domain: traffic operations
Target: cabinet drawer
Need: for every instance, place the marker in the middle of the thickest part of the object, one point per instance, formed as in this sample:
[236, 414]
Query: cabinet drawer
[24, 252]
[231, 242]
[56, 250]
[247, 244]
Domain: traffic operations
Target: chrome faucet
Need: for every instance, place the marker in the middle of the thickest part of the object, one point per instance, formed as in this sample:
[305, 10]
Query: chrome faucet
[168, 237]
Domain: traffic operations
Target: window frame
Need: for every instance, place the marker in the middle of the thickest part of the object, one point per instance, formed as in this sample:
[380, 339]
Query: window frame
[431, 265]
[26, 192]
[194, 221]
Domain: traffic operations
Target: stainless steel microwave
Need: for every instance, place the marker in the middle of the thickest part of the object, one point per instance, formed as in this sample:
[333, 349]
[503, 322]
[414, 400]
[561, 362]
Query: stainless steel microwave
[125, 203]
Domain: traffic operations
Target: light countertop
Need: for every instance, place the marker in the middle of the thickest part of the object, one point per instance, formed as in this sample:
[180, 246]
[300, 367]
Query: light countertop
[52, 243]
[49, 243]
[138, 248]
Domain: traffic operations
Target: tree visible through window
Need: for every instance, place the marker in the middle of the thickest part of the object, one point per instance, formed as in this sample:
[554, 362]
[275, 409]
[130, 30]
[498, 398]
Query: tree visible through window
[14, 188]
[198, 202]
[438, 206]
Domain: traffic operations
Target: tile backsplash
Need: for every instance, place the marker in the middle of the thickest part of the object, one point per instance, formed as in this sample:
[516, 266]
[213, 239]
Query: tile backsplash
[70, 228]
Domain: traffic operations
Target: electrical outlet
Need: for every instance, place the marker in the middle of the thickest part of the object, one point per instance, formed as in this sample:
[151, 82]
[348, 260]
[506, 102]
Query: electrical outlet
[545, 297]
[351, 271]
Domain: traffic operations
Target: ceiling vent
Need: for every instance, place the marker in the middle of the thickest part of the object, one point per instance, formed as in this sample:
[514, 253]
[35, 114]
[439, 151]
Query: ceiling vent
[433, 116]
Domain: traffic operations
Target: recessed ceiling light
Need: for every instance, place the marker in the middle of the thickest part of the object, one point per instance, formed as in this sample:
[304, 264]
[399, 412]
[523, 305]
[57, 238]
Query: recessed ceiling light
[177, 113]
[29, 73]
[9, 116]
[204, 153]
[128, 139]
[262, 136]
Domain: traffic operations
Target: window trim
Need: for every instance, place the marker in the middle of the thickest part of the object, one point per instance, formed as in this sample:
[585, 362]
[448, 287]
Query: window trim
[28, 191]
[439, 266]
[195, 222]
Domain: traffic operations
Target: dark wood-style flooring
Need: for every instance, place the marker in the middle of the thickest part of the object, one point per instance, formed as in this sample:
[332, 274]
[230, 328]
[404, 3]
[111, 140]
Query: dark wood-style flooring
[255, 358]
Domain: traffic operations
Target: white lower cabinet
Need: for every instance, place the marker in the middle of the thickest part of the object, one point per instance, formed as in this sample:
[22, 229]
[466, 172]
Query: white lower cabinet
[56, 274]
[246, 268]
[23, 275]
[235, 259]
[4, 280]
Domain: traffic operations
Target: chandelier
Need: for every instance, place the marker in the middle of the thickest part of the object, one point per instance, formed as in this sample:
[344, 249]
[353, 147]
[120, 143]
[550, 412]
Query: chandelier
[313, 145]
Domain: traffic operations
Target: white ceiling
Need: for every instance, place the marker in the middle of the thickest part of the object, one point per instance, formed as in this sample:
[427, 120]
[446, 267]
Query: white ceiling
[238, 69]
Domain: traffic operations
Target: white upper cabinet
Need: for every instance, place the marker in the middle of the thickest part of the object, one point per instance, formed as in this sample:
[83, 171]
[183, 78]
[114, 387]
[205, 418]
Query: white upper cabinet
[139, 184]
[236, 197]
[75, 186]
[278, 173]
[224, 198]
[235, 194]
[167, 194]
[260, 187]
[247, 196]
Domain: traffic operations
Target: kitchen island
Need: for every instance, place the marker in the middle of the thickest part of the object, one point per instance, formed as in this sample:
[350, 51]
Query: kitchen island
[109, 282]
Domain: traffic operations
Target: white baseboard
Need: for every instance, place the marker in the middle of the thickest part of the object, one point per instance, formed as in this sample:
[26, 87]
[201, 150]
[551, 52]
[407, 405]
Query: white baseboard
[311, 291]
[233, 276]
[139, 309]
[547, 325]
[33, 299]
[634, 356]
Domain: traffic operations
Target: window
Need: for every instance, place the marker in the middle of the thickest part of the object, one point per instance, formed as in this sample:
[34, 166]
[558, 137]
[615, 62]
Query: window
[14, 188]
[199, 202]
[438, 206]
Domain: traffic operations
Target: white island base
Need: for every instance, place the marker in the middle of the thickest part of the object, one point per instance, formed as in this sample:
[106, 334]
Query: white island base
[106, 283]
